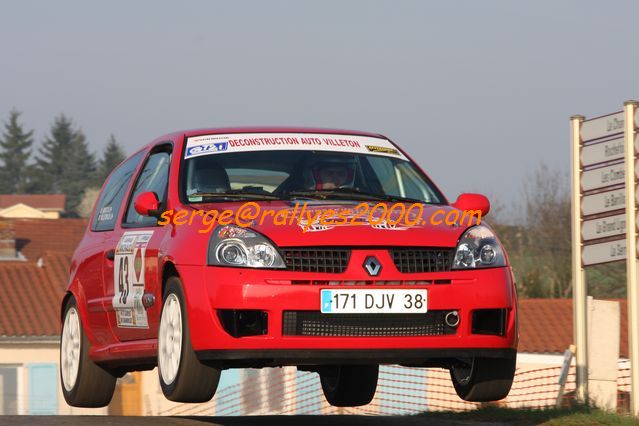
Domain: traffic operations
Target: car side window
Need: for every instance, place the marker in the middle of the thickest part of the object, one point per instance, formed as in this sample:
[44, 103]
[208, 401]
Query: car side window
[154, 177]
[400, 178]
[108, 205]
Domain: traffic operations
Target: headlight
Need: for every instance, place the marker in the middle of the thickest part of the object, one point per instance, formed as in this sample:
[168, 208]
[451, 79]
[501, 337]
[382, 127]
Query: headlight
[234, 246]
[478, 248]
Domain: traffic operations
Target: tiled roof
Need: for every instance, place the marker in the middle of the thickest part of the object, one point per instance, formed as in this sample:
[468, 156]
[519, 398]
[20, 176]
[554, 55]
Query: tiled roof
[31, 291]
[30, 296]
[38, 201]
[34, 237]
[545, 326]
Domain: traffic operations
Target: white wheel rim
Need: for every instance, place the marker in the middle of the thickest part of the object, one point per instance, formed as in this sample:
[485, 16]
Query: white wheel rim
[70, 349]
[170, 339]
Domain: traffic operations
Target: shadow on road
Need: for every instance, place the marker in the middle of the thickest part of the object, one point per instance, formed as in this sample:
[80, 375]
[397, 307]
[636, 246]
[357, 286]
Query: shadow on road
[236, 421]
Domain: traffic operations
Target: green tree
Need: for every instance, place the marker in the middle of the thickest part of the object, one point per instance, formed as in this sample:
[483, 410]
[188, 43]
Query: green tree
[15, 150]
[112, 155]
[64, 164]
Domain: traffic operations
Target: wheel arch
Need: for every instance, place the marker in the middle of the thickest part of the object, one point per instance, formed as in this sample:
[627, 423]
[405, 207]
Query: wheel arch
[65, 299]
[168, 270]
[75, 290]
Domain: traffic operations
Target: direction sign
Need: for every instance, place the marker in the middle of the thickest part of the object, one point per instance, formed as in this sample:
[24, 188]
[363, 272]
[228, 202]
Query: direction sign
[603, 202]
[600, 127]
[601, 152]
[603, 227]
[602, 177]
[599, 187]
[609, 251]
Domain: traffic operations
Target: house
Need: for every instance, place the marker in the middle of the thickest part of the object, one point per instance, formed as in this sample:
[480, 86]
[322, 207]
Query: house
[35, 255]
[35, 206]
[30, 334]
[35, 237]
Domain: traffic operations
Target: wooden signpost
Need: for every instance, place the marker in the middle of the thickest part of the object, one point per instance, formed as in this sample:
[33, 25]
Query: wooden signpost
[604, 221]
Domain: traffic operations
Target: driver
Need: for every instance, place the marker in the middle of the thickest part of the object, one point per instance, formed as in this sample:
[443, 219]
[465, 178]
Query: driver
[333, 174]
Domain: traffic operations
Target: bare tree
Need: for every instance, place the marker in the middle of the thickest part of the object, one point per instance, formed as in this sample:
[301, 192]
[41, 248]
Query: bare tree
[547, 210]
[539, 244]
[538, 241]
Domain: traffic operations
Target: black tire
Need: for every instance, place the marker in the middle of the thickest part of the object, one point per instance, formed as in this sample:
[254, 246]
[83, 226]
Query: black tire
[93, 386]
[194, 381]
[483, 379]
[349, 385]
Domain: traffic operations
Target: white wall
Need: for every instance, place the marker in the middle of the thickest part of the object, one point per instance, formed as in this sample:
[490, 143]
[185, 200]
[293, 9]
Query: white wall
[22, 354]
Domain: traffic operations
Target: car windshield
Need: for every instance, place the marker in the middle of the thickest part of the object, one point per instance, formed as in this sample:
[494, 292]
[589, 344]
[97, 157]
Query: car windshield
[303, 174]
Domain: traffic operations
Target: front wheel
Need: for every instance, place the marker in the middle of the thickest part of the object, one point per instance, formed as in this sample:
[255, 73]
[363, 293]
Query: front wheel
[183, 377]
[483, 379]
[349, 385]
[84, 383]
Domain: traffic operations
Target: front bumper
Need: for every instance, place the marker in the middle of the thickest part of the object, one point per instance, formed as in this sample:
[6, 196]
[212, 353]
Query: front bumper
[209, 289]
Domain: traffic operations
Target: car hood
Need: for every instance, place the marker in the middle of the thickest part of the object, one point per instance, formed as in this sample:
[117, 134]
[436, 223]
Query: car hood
[297, 223]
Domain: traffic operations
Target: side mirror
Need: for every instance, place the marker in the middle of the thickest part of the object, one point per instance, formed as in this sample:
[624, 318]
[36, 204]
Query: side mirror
[147, 204]
[473, 202]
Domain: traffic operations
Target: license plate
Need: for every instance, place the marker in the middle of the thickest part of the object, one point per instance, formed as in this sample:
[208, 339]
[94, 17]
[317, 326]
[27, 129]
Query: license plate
[376, 301]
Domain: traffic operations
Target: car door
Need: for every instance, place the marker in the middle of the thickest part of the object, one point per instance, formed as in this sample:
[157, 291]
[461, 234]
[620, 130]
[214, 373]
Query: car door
[95, 250]
[133, 271]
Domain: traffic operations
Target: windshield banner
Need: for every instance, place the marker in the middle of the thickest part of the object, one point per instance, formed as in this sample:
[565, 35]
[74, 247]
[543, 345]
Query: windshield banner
[246, 142]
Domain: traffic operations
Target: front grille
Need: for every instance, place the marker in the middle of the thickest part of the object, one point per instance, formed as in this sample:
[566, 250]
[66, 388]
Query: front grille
[316, 259]
[414, 260]
[314, 323]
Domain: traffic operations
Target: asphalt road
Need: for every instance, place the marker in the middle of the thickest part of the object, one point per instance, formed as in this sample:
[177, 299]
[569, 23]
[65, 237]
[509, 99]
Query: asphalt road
[236, 421]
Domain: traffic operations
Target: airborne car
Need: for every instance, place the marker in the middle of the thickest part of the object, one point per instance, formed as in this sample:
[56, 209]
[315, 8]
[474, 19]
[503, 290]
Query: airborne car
[261, 247]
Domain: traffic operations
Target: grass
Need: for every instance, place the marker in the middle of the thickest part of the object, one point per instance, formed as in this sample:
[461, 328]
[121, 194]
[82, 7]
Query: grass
[579, 415]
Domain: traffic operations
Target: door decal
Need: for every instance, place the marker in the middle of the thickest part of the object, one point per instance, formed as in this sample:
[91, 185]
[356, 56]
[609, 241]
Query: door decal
[128, 279]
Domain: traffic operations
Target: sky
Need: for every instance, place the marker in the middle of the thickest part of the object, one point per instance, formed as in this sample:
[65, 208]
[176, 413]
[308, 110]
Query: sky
[479, 93]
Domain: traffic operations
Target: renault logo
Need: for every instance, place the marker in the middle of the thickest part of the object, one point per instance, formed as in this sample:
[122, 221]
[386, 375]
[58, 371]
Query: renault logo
[372, 266]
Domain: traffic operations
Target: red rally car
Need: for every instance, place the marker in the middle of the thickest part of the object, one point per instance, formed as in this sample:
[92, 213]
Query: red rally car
[263, 247]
